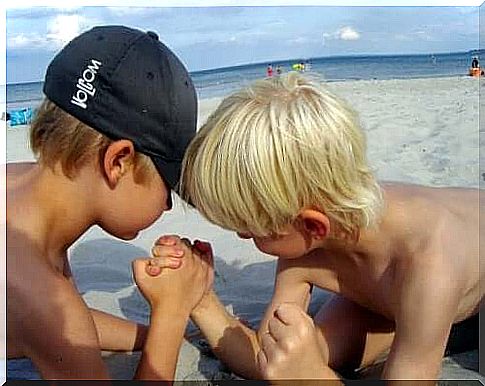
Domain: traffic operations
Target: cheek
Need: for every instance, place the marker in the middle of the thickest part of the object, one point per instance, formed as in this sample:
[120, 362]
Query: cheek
[152, 204]
[283, 248]
[137, 211]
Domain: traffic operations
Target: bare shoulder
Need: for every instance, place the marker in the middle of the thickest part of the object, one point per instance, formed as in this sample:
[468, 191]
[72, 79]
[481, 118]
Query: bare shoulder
[15, 170]
[460, 201]
[423, 213]
[43, 307]
[50, 323]
[438, 249]
[434, 229]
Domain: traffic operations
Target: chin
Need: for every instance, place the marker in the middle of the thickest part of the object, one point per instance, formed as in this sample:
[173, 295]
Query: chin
[132, 237]
[289, 257]
[278, 251]
[263, 247]
[127, 236]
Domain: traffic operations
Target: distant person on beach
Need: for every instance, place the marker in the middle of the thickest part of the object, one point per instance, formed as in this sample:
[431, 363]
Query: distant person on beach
[475, 63]
[269, 71]
[119, 112]
[307, 65]
[278, 70]
[283, 162]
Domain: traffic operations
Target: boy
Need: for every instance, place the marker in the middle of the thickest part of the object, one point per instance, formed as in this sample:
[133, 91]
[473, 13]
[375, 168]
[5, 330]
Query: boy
[283, 162]
[119, 112]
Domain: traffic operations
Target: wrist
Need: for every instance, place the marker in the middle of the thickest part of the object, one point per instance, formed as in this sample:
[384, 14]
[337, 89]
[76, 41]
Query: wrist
[168, 308]
[204, 304]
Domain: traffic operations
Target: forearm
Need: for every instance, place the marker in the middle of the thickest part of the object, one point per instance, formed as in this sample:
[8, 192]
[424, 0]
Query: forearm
[398, 369]
[162, 345]
[234, 344]
[116, 334]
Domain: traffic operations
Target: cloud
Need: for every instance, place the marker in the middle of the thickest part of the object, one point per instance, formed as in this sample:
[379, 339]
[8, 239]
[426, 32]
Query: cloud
[21, 41]
[344, 33]
[60, 30]
[36, 13]
[64, 28]
[139, 12]
[299, 40]
[348, 33]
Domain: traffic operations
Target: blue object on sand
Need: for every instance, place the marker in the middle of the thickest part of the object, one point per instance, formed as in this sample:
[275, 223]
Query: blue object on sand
[21, 117]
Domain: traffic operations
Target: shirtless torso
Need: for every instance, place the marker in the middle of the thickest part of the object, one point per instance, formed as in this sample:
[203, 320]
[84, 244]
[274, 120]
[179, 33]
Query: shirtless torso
[401, 286]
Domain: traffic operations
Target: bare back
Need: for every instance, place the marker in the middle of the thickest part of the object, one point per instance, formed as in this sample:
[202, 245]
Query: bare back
[430, 231]
[441, 225]
[400, 287]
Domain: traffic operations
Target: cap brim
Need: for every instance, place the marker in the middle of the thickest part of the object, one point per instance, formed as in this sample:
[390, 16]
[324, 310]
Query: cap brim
[168, 170]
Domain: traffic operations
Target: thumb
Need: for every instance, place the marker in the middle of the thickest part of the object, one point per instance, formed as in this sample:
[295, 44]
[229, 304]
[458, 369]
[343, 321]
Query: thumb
[167, 240]
[139, 268]
[262, 361]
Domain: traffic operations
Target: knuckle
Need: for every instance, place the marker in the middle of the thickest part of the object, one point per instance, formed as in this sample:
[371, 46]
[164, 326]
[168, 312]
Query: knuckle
[156, 250]
[272, 325]
[305, 330]
[287, 345]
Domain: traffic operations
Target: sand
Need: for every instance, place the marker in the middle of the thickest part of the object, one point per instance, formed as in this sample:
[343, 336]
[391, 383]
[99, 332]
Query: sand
[421, 131]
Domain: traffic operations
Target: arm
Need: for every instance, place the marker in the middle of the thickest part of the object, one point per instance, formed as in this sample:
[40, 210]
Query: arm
[117, 334]
[172, 294]
[59, 334]
[235, 344]
[427, 305]
[162, 346]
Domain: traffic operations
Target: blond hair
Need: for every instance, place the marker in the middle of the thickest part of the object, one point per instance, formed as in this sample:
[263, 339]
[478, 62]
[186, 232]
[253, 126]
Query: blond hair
[279, 146]
[56, 136]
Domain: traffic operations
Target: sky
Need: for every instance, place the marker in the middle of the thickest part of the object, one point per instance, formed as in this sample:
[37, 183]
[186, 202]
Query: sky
[212, 37]
[223, 36]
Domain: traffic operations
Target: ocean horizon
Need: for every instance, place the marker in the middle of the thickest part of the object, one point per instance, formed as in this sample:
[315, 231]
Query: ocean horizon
[218, 82]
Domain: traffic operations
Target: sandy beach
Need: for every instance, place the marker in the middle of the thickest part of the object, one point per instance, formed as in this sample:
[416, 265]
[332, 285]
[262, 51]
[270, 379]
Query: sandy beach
[423, 131]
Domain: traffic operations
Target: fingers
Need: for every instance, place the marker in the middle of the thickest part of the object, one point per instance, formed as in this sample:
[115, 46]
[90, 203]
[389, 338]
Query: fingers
[307, 298]
[210, 277]
[153, 270]
[276, 328]
[187, 242]
[262, 360]
[204, 250]
[203, 247]
[268, 345]
[168, 251]
[139, 269]
[172, 245]
[168, 240]
[290, 313]
[155, 266]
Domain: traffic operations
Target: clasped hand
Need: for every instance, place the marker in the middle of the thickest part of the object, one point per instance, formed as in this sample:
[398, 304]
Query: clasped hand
[178, 273]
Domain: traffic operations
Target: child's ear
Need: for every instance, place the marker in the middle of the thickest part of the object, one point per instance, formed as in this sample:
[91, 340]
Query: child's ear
[315, 223]
[118, 159]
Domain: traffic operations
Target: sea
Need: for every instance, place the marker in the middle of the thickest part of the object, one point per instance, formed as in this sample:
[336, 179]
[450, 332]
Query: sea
[222, 81]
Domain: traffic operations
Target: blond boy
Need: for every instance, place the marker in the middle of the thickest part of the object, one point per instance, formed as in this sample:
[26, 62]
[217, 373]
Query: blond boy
[283, 162]
[120, 110]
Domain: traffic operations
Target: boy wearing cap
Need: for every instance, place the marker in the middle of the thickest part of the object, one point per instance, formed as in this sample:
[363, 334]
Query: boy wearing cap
[402, 260]
[120, 109]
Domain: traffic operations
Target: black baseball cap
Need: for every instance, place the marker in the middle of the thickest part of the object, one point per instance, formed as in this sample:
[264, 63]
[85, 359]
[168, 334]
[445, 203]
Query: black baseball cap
[126, 84]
